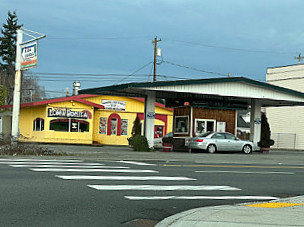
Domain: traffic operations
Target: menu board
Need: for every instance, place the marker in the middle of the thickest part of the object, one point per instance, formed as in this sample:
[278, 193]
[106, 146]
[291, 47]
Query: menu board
[103, 125]
[124, 127]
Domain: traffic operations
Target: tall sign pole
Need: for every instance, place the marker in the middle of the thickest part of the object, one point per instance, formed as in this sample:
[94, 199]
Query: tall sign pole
[155, 55]
[26, 57]
[17, 88]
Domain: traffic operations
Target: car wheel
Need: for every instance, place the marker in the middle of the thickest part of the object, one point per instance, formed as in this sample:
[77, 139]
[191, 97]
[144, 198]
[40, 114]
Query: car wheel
[247, 149]
[211, 148]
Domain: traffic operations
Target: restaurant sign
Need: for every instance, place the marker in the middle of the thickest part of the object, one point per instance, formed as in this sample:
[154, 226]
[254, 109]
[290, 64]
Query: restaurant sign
[114, 105]
[68, 113]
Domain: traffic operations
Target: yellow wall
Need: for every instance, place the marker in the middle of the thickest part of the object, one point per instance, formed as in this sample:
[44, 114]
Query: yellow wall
[29, 114]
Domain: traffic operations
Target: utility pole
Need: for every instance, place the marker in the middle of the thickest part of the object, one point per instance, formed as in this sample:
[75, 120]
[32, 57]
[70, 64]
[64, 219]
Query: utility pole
[155, 55]
[16, 101]
[18, 80]
[299, 58]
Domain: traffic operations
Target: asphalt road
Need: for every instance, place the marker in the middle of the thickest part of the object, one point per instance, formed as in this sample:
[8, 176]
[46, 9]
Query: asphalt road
[39, 193]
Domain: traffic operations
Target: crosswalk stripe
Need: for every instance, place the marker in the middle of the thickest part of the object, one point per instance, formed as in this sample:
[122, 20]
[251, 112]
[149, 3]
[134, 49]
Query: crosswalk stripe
[139, 178]
[137, 163]
[39, 160]
[49, 163]
[164, 187]
[201, 197]
[71, 166]
[202, 171]
[93, 170]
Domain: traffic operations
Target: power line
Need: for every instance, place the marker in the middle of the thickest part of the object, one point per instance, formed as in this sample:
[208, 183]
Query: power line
[230, 48]
[134, 72]
[195, 69]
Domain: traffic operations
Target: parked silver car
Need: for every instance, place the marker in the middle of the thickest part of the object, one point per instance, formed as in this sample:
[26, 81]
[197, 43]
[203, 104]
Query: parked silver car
[220, 141]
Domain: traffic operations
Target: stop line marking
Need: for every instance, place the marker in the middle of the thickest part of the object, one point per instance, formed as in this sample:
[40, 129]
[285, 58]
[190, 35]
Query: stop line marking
[200, 197]
[163, 187]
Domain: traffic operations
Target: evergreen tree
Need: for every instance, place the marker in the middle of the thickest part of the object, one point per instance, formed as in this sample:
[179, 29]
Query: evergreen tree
[136, 127]
[8, 42]
[8, 54]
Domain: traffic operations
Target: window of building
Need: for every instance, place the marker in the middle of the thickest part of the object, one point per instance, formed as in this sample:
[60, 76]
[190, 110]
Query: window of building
[38, 124]
[114, 126]
[181, 124]
[204, 125]
[69, 125]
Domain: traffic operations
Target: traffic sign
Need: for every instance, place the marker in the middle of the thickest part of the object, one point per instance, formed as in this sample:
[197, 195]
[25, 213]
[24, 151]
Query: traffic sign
[29, 56]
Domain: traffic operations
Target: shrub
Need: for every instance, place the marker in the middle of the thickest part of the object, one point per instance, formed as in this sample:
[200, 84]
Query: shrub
[265, 141]
[140, 143]
[6, 148]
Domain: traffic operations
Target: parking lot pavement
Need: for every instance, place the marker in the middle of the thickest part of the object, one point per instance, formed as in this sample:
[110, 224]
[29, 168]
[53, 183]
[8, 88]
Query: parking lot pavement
[283, 212]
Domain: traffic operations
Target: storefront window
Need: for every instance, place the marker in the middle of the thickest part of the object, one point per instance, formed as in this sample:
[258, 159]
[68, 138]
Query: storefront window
[38, 124]
[114, 126]
[69, 125]
[204, 125]
[181, 124]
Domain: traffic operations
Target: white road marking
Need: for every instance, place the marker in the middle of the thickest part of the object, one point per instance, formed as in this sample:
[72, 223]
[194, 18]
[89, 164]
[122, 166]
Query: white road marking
[201, 197]
[202, 171]
[71, 166]
[141, 178]
[163, 187]
[39, 160]
[49, 163]
[137, 163]
[93, 170]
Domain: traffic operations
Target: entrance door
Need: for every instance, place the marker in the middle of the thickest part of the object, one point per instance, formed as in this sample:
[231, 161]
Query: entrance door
[158, 131]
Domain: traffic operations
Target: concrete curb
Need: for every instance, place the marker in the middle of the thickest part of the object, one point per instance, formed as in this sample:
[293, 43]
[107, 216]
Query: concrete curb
[240, 215]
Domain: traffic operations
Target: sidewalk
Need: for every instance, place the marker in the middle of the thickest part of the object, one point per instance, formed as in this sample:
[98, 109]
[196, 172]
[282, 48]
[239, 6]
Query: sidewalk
[282, 212]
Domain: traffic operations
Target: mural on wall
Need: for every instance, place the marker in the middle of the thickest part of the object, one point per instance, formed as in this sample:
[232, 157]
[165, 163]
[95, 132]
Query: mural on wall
[103, 125]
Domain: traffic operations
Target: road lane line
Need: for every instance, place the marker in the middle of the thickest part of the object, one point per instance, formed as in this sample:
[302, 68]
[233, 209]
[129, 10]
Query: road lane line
[140, 178]
[93, 170]
[241, 172]
[137, 163]
[164, 187]
[71, 166]
[200, 197]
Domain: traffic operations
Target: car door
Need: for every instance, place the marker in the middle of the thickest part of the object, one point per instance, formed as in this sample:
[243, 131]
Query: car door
[233, 144]
[220, 141]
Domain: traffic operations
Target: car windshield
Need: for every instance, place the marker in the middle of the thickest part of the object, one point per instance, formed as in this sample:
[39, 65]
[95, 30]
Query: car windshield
[170, 134]
[205, 134]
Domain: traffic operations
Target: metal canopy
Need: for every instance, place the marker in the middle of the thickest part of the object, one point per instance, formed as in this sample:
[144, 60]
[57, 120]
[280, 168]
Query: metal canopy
[235, 92]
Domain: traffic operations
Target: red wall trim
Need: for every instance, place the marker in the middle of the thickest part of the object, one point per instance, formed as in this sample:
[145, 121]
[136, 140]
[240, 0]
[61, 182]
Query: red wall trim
[112, 116]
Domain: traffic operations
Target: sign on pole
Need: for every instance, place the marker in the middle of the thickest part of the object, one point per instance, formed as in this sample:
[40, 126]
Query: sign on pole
[29, 55]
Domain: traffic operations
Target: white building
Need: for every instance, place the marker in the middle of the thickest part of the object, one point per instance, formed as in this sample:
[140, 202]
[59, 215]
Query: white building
[287, 123]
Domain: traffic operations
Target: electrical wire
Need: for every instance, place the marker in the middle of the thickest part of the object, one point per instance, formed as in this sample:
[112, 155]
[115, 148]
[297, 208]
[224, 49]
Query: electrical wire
[230, 48]
[195, 69]
[134, 72]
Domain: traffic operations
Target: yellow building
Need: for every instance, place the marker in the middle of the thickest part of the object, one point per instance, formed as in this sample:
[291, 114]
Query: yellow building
[87, 119]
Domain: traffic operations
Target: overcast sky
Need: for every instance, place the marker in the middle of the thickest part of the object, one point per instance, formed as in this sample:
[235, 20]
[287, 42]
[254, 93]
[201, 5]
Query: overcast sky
[115, 37]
